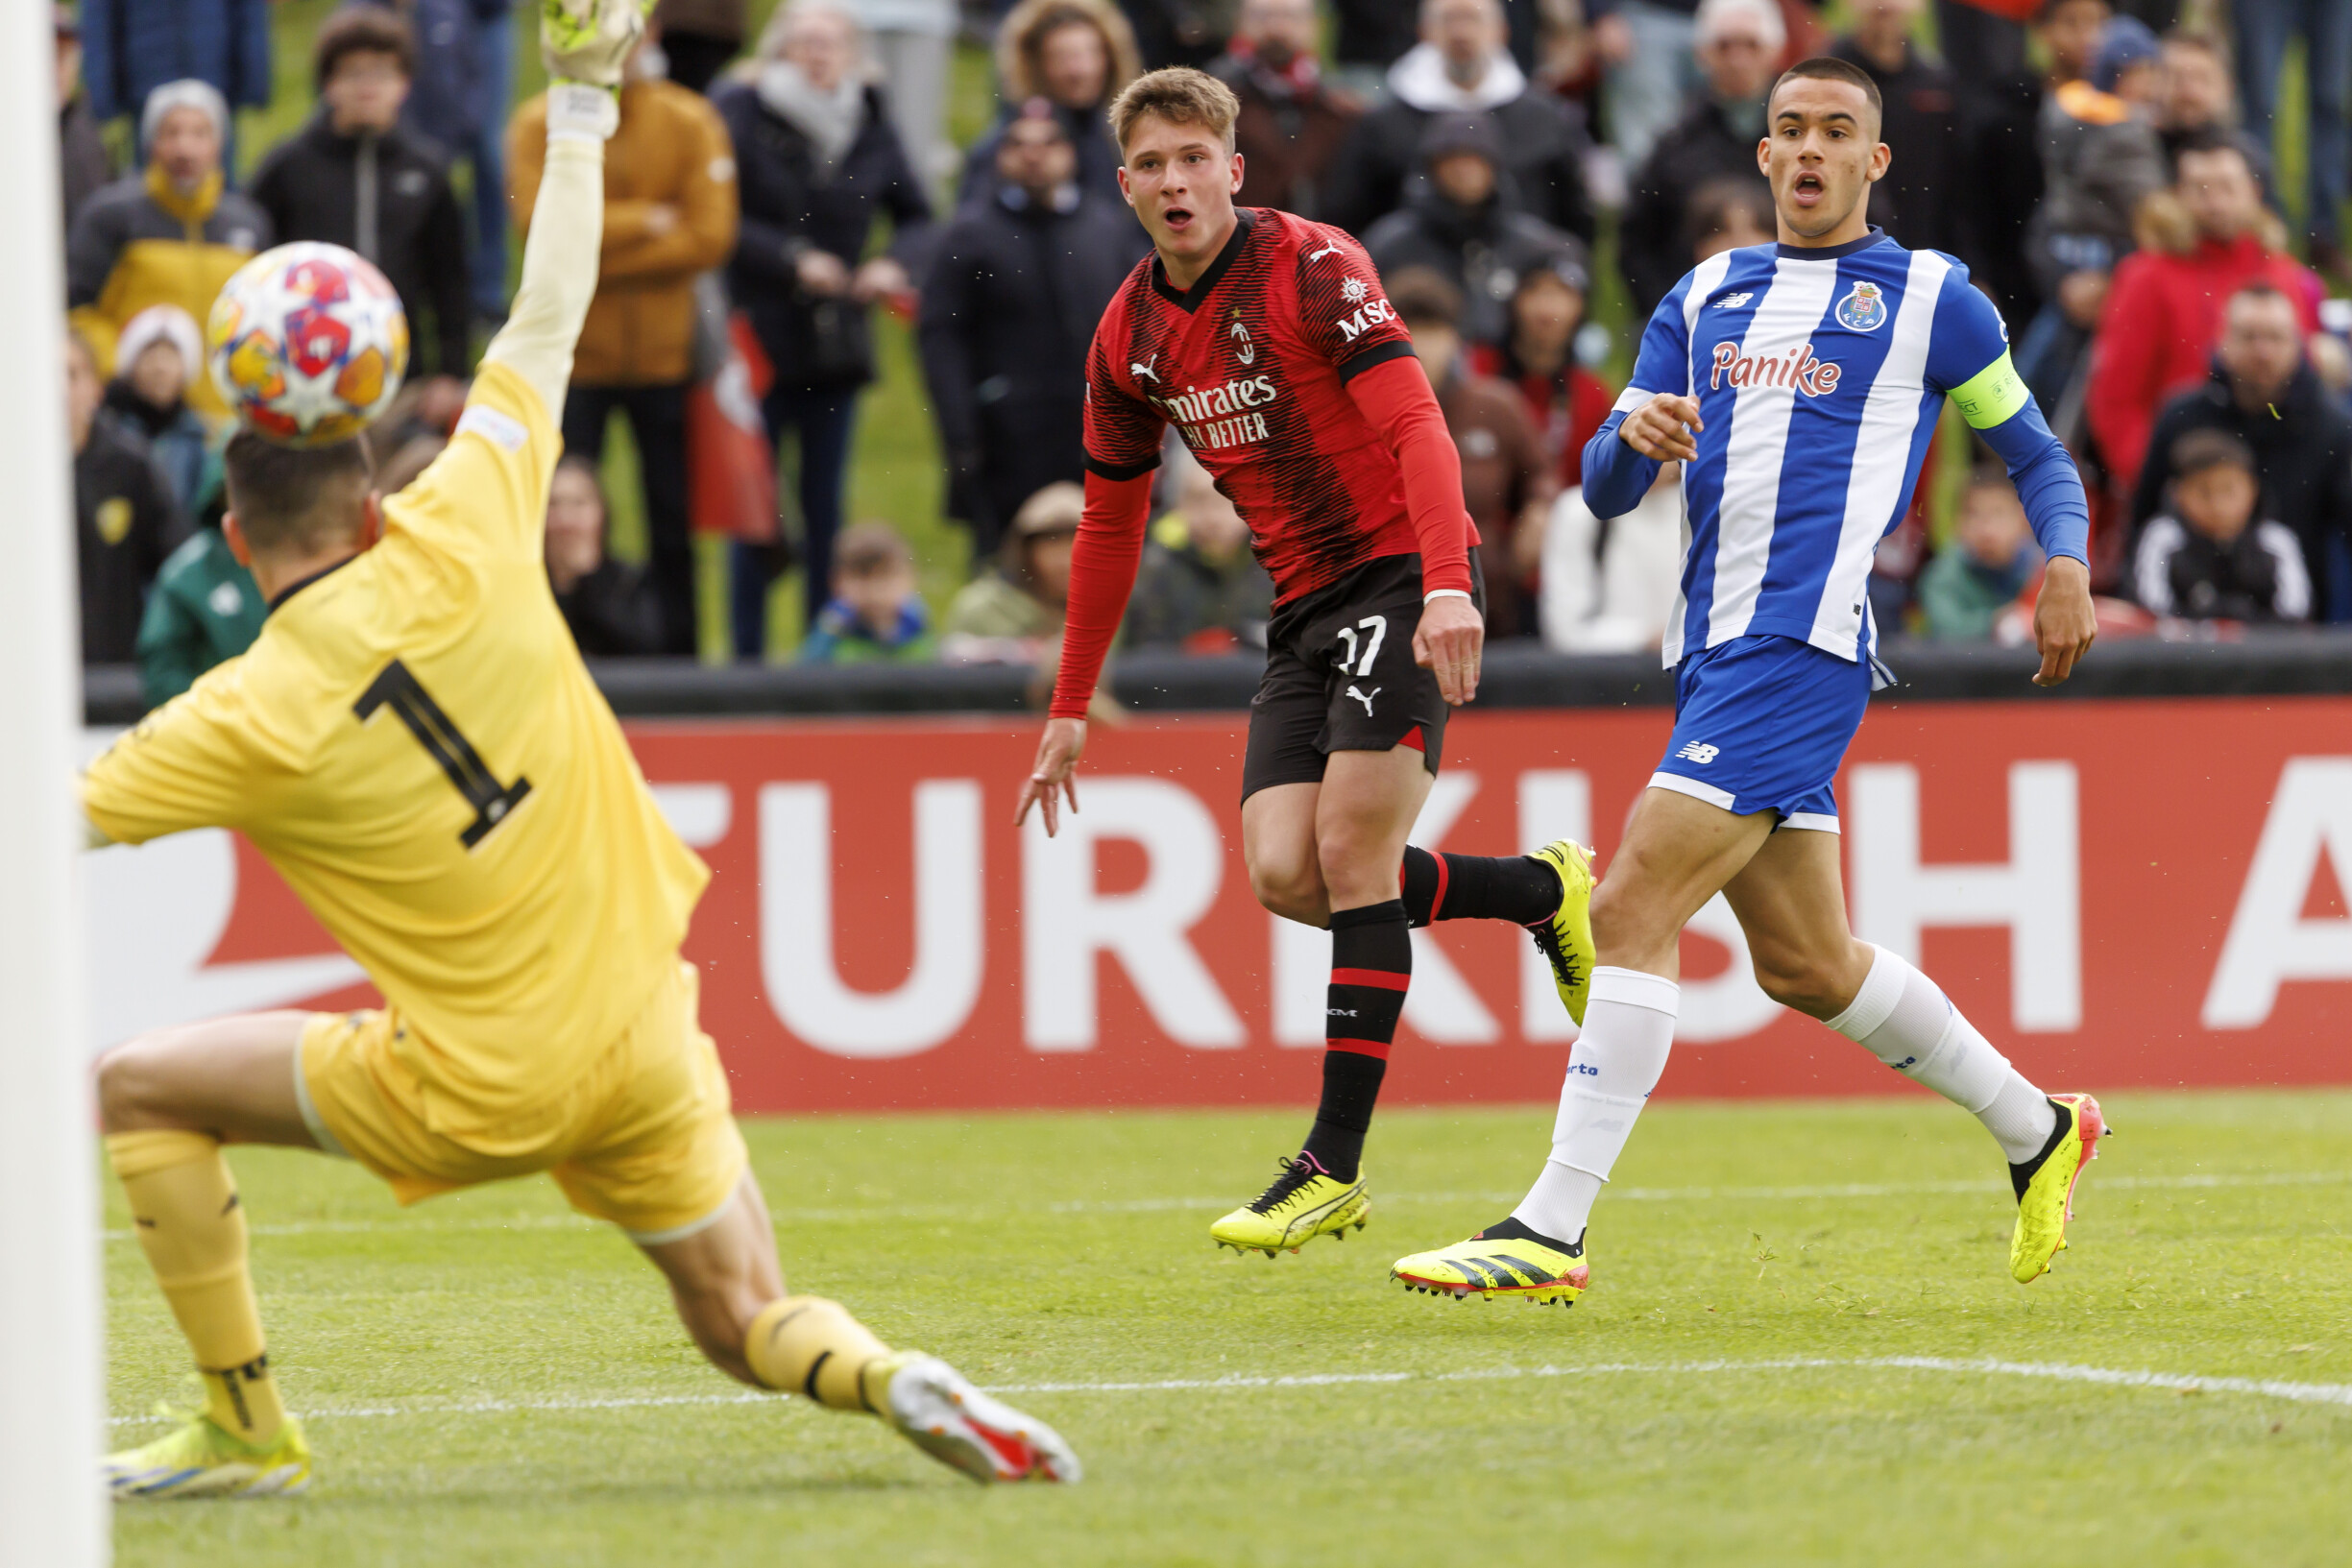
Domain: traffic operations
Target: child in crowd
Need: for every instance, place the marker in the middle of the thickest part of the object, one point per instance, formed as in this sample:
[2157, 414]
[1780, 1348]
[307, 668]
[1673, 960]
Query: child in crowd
[875, 616]
[1199, 588]
[2207, 557]
[157, 354]
[1991, 559]
[607, 603]
[1009, 615]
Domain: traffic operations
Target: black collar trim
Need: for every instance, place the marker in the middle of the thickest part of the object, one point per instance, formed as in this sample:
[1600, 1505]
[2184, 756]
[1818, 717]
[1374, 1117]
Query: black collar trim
[1191, 299]
[292, 589]
[1832, 253]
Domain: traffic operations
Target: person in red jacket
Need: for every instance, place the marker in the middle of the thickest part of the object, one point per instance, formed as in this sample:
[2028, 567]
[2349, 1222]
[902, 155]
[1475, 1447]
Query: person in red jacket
[2163, 312]
[1269, 344]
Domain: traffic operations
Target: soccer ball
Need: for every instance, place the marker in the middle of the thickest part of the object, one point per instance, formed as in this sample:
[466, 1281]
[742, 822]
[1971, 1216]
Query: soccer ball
[308, 343]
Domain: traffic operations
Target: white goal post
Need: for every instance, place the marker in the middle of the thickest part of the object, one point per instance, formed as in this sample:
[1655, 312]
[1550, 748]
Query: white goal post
[52, 1511]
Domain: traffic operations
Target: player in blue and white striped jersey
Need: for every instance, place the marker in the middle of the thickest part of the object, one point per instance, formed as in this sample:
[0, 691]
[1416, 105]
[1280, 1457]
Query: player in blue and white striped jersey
[1798, 384]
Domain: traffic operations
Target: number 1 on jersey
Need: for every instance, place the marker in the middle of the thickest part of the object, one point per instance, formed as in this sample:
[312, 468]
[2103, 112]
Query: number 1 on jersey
[443, 741]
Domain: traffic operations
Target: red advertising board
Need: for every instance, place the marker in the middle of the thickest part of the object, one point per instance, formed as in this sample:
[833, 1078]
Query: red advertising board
[2119, 894]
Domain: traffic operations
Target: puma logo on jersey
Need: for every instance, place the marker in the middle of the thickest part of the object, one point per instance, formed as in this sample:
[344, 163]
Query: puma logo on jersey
[1317, 256]
[1794, 368]
[1732, 302]
[1144, 367]
[1366, 698]
[1699, 752]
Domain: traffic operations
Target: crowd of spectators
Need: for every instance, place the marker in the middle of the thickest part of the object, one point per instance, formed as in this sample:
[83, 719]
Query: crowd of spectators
[2107, 169]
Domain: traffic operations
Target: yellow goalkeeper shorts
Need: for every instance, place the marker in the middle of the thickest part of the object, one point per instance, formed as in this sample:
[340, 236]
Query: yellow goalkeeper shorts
[644, 1139]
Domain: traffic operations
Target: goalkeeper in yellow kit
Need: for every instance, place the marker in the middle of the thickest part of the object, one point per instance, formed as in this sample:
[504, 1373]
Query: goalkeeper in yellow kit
[414, 744]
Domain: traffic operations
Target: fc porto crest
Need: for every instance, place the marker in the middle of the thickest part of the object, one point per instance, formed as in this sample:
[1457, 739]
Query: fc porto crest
[1864, 309]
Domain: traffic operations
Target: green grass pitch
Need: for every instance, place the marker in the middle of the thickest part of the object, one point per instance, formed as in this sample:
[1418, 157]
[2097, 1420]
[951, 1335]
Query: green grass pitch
[492, 1382]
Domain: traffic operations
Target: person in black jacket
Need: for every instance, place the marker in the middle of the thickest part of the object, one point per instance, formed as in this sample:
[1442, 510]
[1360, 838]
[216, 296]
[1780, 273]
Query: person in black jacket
[2264, 393]
[608, 604]
[817, 166]
[1715, 142]
[125, 522]
[1914, 203]
[1008, 310]
[354, 177]
[1461, 225]
[1462, 67]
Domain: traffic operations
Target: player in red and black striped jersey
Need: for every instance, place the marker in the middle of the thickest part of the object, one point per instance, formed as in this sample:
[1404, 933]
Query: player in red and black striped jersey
[1267, 341]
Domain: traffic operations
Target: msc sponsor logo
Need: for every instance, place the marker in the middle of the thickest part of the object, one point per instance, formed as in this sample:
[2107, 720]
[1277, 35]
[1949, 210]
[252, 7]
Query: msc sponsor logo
[1374, 313]
[1795, 368]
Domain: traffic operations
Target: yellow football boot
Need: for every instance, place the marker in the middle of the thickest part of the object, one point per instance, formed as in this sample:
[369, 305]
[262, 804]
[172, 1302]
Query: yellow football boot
[937, 1410]
[2046, 1186]
[203, 1459]
[1489, 1265]
[1304, 1202]
[1565, 940]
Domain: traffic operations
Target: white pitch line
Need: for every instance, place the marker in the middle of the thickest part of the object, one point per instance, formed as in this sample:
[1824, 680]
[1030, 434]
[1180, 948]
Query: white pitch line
[2307, 1394]
[970, 1213]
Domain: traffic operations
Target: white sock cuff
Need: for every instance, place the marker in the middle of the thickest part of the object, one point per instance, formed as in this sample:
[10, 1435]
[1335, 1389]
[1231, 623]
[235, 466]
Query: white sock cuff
[1875, 1003]
[1636, 988]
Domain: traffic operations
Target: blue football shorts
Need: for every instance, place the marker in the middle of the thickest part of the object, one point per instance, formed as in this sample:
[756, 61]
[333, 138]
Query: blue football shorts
[1760, 724]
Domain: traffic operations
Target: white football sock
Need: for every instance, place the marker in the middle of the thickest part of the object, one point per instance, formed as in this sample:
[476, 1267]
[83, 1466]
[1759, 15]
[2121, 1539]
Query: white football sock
[1615, 1062]
[1902, 1018]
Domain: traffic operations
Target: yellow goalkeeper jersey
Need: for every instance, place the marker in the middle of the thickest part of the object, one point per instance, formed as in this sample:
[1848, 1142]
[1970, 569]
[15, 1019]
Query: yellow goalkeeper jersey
[414, 743]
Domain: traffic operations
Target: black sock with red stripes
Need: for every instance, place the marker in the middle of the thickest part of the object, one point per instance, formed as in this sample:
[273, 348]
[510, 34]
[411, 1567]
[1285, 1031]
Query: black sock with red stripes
[1372, 964]
[1515, 887]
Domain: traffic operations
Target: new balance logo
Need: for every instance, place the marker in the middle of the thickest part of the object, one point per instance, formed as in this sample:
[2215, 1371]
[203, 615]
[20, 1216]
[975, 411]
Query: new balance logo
[1700, 753]
[1732, 302]
[1366, 698]
[1144, 367]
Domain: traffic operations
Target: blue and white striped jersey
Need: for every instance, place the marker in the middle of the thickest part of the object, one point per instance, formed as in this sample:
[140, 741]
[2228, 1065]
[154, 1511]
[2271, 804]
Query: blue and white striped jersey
[1820, 376]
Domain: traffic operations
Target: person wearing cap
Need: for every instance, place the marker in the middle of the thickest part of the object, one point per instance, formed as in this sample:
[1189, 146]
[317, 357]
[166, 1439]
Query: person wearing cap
[170, 235]
[1739, 44]
[355, 176]
[1009, 305]
[1013, 614]
[1291, 122]
[1462, 67]
[1508, 480]
[1461, 223]
[158, 355]
[1565, 402]
[84, 164]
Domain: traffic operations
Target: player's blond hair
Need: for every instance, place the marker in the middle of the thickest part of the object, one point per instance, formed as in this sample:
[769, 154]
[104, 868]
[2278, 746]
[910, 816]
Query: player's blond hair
[1180, 96]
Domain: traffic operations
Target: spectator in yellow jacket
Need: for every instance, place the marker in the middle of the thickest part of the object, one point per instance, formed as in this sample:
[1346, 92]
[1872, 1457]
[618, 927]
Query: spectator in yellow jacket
[669, 214]
[168, 236]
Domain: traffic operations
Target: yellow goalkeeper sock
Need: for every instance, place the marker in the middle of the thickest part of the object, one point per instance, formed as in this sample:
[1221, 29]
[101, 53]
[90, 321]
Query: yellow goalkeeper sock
[184, 1208]
[804, 1344]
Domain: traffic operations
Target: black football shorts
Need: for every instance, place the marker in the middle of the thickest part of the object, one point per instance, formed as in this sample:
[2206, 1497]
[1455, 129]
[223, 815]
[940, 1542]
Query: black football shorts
[1340, 676]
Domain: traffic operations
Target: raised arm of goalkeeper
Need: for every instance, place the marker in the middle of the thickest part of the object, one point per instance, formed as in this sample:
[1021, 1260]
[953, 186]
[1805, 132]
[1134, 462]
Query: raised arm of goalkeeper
[585, 44]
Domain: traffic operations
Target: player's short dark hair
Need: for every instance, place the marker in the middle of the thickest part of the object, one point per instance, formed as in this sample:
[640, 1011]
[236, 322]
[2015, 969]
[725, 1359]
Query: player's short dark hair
[294, 499]
[1422, 296]
[361, 30]
[2202, 449]
[1829, 68]
[1179, 95]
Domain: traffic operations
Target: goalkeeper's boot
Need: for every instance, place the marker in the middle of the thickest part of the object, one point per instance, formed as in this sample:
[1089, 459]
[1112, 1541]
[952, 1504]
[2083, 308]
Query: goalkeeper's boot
[204, 1459]
[1505, 1260]
[2046, 1186]
[1304, 1202]
[1565, 939]
[941, 1413]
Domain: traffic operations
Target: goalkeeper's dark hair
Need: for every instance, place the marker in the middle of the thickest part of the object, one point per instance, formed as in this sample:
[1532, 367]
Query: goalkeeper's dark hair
[296, 499]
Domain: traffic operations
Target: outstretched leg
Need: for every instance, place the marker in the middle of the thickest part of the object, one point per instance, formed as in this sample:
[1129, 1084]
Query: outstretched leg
[168, 1101]
[729, 1290]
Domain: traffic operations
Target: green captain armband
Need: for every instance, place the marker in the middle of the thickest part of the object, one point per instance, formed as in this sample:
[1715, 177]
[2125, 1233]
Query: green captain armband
[1991, 396]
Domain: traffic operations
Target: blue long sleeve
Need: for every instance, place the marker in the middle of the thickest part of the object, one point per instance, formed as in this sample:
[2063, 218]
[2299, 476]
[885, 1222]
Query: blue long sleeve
[1616, 475]
[2046, 481]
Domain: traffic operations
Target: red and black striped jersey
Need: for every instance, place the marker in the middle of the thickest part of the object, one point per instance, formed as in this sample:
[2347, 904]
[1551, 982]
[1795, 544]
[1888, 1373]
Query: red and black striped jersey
[1251, 364]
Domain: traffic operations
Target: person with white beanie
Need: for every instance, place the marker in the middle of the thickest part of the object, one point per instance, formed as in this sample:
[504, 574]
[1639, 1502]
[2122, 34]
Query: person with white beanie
[171, 234]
